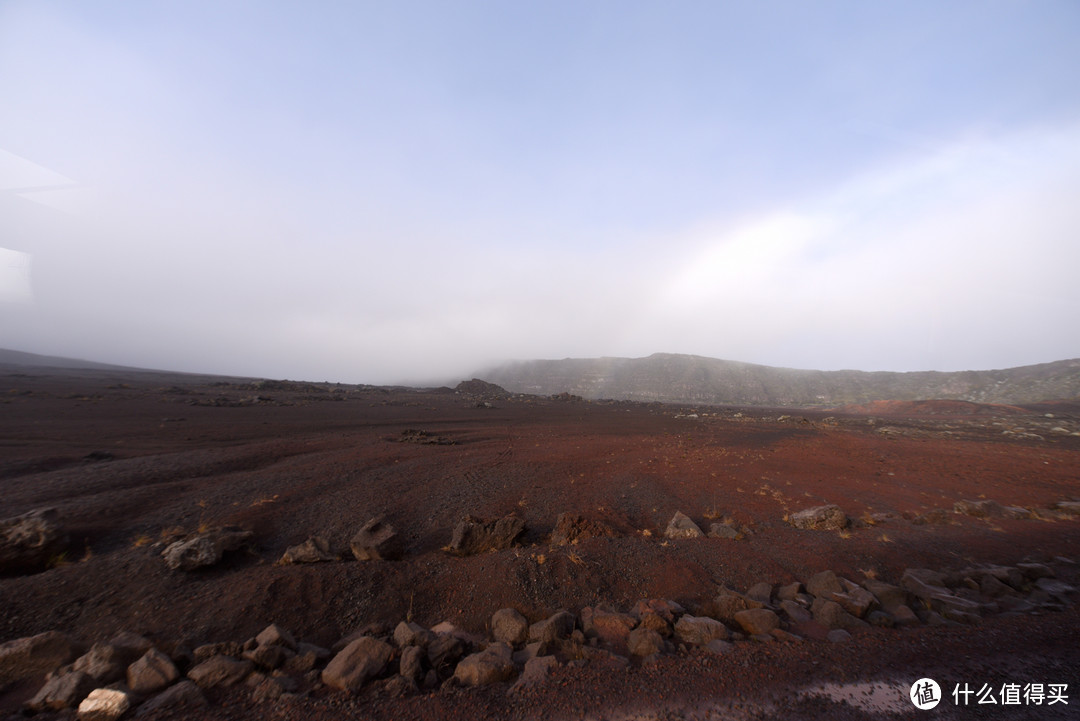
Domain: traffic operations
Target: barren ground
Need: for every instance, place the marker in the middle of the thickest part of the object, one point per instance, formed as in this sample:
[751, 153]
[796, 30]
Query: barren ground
[174, 451]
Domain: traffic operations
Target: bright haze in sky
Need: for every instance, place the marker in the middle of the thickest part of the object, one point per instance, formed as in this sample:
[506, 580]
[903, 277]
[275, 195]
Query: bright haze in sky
[384, 192]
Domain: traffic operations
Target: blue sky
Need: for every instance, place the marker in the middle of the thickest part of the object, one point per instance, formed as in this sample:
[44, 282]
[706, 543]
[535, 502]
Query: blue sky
[383, 192]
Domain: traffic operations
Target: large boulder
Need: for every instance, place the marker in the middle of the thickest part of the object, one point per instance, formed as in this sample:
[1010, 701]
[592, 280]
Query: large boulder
[365, 658]
[571, 527]
[204, 549]
[681, 526]
[35, 655]
[820, 518]
[474, 535]
[377, 540]
[313, 550]
[32, 541]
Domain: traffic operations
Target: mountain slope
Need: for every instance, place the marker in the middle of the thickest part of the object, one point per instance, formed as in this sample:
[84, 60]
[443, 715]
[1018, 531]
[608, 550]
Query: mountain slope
[673, 378]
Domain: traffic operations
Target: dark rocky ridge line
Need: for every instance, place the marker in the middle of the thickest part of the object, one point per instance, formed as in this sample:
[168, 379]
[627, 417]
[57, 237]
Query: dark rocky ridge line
[673, 378]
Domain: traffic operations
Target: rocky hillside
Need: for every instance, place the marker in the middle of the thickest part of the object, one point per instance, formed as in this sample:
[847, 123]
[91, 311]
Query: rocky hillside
[672, 378]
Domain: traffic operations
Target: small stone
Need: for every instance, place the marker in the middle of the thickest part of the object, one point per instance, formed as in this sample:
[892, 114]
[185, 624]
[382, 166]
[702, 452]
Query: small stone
[719, 647]
[205, 549]
[757, 620]
[680, 526]
[535, 673]
[820, 518]
[491, 665]
[104, 663]
[781, 635]
[411, 664]
[275, 635]
[35, 655]
[63, 691]
[760, 592]
[375, 541]
[444, 651]
[723, 530]
[788, 592]
[104, 704]
[152, 672]
[887, 594]
[473, 535]
[183, 695]
[903, 616]
[831, 614]
[220, 671]
[838, 635]
[560, 625]
[408, 633]
[727, 604]
[30, 542]
[509, 626]
[644, 642]
[796, 612]
[572, 527]
[824, 584]
[361, 660]
[699, 630]
[611, 627]
[314, 550]
[268, 657]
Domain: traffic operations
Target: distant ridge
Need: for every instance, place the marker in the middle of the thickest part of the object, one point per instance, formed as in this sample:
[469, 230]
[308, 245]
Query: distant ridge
[674, 378]
[21, 358]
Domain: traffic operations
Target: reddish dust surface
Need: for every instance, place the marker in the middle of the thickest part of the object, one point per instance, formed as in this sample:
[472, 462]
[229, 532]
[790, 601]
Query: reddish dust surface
[127, 457]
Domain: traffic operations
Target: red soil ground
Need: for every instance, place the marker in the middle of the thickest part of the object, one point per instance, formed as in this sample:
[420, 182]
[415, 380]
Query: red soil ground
[189, 451]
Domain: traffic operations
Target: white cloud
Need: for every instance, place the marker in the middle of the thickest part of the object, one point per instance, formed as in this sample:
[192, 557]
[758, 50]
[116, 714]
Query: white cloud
[962, 258]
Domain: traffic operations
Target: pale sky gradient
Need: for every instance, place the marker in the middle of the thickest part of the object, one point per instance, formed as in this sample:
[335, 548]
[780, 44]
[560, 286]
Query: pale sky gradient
[411, 191]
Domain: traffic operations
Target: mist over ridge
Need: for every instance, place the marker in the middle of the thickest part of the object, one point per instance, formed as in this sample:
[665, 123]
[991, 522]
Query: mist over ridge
[677, 378]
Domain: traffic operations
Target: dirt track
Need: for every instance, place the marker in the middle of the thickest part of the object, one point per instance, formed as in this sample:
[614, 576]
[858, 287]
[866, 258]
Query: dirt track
[127, 457]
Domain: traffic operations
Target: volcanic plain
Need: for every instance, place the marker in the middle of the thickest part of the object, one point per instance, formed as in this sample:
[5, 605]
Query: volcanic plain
[133, 460]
